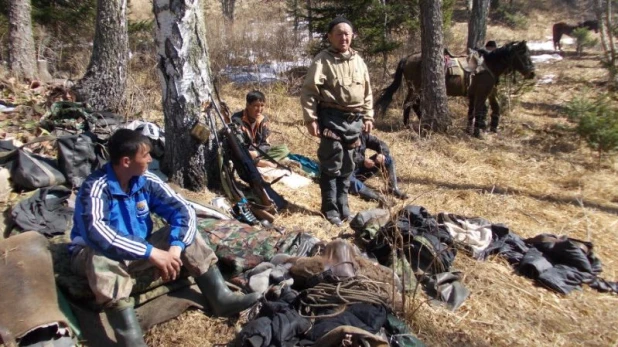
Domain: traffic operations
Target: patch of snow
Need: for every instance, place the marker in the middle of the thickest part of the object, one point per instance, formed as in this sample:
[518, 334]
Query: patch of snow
[547, 79]
[545, 58]
[261, 73]
[549, 44]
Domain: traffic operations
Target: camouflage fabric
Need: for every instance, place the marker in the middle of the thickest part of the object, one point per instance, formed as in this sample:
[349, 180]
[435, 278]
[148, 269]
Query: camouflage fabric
[112, 281]
[238, 246]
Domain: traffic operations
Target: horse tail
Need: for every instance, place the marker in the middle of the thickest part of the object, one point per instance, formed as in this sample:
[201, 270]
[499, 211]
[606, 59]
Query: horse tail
[386, 96]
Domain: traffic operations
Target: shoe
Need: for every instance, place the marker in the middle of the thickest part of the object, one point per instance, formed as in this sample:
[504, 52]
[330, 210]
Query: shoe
[126, 327]
[494, 130]
[479, 134]
[336, 221]
[392, 181]
[220, 299]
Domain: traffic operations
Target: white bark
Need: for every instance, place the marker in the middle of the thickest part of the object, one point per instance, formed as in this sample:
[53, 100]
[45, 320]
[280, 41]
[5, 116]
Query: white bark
[186, 82]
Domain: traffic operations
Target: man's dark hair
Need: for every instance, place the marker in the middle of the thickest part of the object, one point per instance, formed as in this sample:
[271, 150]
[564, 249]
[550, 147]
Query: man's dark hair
[255, 95]
[125, 143]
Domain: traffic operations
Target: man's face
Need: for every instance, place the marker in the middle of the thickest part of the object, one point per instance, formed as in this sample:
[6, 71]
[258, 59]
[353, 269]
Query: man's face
[138, 165]
[340, 37]
[255, 109]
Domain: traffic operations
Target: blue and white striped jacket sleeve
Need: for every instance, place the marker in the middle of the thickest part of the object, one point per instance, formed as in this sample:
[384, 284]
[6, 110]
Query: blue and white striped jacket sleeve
[177, 211]
[95, 213]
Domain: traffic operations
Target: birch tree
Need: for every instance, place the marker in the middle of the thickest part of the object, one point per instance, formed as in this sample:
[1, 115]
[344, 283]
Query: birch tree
[184, 70]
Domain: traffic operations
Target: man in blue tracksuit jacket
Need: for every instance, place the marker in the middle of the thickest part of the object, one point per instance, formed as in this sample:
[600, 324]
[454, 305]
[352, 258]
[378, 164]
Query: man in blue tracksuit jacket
[112, 239]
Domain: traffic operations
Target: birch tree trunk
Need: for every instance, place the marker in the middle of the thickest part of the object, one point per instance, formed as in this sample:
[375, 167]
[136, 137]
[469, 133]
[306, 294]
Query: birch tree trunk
[22, 55]
[434, 106]
[186, 81]
[477, 25]
[104, 83]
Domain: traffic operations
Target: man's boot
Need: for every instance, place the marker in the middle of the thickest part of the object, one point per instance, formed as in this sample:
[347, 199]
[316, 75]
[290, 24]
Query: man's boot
[392, 181]
[126, 327]
[370, 194]
[328, 189]
[479, 134]
[343, 186]
[220, 299]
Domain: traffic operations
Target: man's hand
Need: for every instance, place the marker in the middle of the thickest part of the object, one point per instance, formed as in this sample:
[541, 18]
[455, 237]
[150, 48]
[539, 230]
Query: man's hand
[380, 158]
[313, 128]
[367, 126]
[369, 163]
[168, 262]
[253, 154]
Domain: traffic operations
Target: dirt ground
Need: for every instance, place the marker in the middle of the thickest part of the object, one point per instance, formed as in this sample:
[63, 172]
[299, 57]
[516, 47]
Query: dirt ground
[535, 176]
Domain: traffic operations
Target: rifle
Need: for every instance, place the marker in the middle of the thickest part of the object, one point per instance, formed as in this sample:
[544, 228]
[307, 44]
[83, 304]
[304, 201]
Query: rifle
[269, 200]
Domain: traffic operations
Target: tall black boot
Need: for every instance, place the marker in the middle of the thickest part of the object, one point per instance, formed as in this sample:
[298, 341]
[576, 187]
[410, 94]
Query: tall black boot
[221, 300]
[328, 188]
[126, 327]
[343, 186]
[370, 194]
[392, 181]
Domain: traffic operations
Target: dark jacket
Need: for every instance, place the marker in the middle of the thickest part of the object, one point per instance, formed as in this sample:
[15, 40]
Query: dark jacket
[369, 141]
[258, 134]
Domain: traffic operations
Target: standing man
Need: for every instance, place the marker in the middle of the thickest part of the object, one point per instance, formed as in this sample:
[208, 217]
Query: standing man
[476, 118]
[491, 46]
[337, 105]
[112, 239]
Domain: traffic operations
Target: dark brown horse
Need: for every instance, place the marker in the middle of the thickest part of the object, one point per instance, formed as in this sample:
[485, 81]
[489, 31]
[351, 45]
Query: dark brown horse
[513, 56]
[563, 28]
[410, 69]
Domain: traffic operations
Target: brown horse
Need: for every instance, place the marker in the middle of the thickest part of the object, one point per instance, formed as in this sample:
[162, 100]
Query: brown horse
[513, 56]
[563, 28]
[410, 68]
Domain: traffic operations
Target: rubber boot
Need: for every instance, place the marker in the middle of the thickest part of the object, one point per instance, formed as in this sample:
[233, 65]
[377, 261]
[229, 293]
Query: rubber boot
[479, 134]
[370, 194]
[328, 188]
[392, 181]
[220, 299]
[343, 187]
[126, 327]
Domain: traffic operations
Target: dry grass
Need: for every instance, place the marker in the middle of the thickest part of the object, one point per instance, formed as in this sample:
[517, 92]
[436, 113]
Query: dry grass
[534, 177]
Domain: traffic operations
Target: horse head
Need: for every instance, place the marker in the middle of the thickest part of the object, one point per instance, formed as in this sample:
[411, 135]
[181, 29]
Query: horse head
[520, 59]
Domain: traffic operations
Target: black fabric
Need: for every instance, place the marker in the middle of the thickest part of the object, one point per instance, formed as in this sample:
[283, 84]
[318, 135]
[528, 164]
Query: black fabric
[364, 316]
[279, 324]
[558, 263]
[504, 243]
[427, 245]
[30, 171]
[79, 155]
[46, 211]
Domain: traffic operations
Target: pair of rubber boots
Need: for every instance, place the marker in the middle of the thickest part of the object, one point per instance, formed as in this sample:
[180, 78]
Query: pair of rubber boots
[220, 300]
[334, 191]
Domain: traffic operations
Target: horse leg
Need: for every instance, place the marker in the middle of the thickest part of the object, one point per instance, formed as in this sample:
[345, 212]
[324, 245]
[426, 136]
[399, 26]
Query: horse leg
[470, 126]
[406, 106]
[495, 110]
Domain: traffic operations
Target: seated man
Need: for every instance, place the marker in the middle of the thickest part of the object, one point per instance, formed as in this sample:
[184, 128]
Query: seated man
[367, 167]
[112, 237]
[257, 130]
